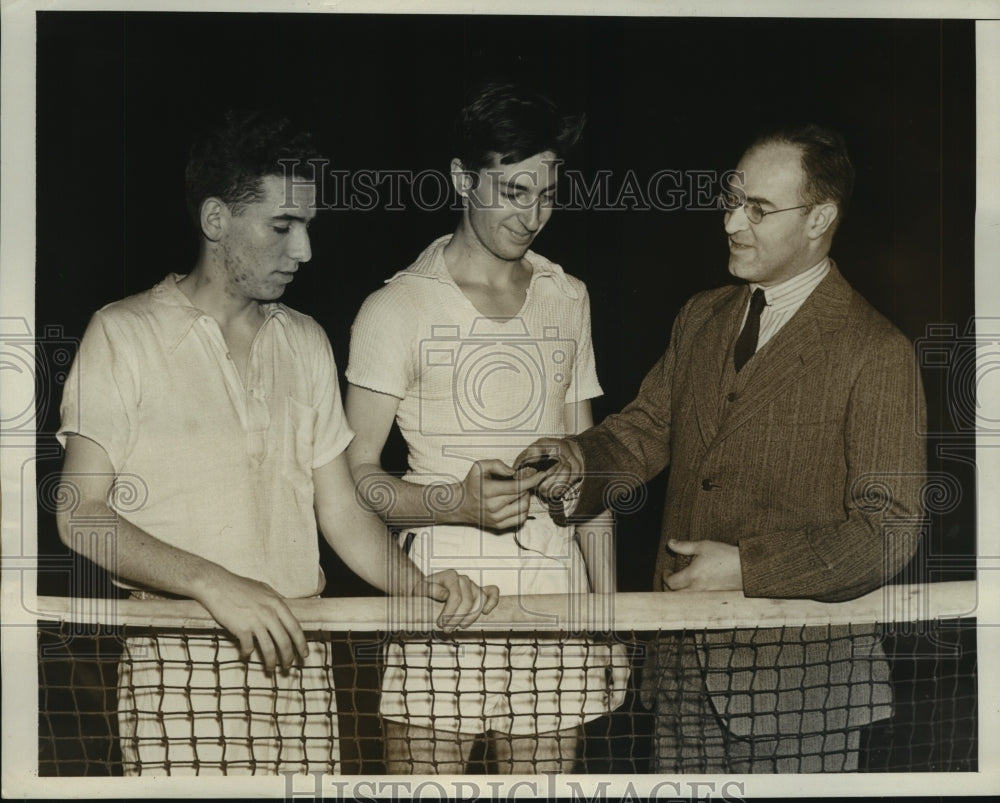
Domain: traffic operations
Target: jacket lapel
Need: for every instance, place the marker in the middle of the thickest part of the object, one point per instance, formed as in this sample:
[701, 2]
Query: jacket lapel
[791, 352]
[708, 359]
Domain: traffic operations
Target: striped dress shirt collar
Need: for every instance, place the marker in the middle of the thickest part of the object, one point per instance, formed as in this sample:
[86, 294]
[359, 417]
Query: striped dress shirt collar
[784, 300]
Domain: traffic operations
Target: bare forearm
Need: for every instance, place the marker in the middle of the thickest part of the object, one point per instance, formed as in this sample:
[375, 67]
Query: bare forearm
[252, 611]
[492, 496]
[403, 503]
[136, 556]
[363, 542]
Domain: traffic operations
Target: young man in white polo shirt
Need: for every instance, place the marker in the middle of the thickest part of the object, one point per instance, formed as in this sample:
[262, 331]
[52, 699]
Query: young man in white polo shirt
[473, 350]
[224, 405]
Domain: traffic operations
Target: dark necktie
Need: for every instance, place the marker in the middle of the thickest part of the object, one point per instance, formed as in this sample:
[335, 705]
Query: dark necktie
[746, 343]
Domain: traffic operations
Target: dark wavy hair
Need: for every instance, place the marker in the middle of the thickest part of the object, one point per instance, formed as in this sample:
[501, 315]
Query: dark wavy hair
[513, 123]
[827, 167]
[229, 161]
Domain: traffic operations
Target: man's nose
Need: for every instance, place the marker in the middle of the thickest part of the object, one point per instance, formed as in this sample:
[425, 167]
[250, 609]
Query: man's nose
[531, 217]
[300, 249]
[736, 219]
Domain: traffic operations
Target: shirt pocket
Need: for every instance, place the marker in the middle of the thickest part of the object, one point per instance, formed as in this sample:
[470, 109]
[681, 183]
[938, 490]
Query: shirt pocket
[300, 428]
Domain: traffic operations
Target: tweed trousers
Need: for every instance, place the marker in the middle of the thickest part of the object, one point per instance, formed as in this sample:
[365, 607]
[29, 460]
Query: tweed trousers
[691, 737]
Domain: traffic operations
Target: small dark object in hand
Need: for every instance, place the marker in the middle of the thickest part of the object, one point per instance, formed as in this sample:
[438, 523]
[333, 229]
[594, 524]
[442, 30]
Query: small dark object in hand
[541, 463]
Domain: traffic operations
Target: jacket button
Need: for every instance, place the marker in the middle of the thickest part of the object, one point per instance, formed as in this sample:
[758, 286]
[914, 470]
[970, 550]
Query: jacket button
[707, 484]
[731, 397]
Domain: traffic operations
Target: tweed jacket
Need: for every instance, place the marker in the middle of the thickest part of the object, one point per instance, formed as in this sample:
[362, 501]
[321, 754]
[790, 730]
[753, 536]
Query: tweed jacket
[809, 460]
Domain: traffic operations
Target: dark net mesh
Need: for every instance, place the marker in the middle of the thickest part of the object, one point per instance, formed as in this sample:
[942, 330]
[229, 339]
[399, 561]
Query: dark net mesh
[836, 697]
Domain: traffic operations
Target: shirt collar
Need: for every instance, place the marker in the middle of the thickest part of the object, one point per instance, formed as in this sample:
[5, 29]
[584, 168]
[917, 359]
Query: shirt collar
[795, 290]
[179, 314]
[431, 265]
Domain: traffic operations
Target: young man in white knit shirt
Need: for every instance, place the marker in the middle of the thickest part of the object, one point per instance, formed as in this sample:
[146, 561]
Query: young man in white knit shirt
[474, 350]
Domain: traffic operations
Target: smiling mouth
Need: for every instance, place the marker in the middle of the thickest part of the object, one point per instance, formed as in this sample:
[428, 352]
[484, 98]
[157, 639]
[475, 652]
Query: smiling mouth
[733, 245]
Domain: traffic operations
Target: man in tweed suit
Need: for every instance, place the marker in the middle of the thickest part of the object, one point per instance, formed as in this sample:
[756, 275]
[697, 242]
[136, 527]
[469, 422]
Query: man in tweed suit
[788, 410]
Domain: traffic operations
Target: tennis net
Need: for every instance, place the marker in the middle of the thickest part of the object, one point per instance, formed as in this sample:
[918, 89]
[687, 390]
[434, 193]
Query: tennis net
[660, 682]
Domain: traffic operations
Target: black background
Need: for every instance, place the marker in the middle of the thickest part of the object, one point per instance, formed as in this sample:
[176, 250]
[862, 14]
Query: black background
[121, 94]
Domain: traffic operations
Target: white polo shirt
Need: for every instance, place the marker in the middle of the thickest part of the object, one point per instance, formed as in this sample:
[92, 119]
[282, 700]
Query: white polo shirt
[204, 462]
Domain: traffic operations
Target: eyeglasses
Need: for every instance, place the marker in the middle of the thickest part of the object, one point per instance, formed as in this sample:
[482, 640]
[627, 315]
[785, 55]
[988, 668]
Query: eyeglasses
[755, 214]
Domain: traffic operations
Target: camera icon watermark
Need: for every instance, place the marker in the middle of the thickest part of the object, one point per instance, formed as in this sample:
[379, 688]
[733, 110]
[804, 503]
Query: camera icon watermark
[33, 369]
[499, 379]
[970, 365]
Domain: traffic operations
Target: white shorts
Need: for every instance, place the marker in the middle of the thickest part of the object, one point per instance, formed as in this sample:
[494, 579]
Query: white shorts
[517, 686]
[522, 685]
[192, 706]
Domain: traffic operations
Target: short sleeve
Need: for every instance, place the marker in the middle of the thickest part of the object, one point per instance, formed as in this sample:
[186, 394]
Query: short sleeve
[102, 391]
[382, 340]
[332, 434]
[584, 384]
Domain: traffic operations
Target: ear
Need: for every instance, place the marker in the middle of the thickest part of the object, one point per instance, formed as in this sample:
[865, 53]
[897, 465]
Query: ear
[214, 218]
[464, 180]
[822, 220]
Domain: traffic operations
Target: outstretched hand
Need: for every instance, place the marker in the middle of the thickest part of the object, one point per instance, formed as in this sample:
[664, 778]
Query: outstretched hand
[561, 461]
[714, 566]
[254, 613]
[495, 496]
[464, 601]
